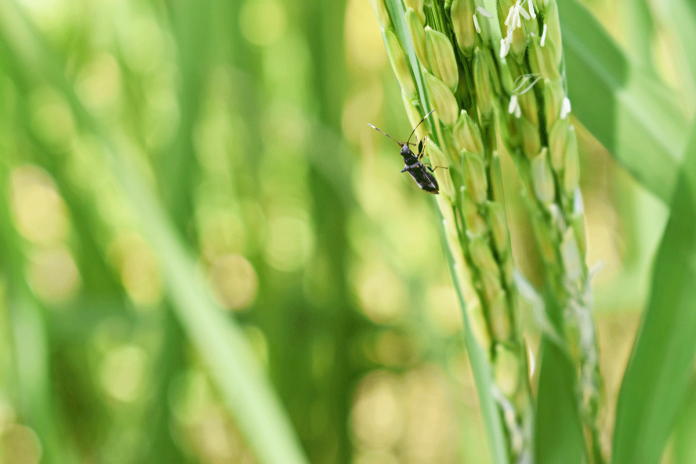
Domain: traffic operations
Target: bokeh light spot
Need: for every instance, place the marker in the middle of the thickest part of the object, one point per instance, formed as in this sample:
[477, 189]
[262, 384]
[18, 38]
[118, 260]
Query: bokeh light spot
[262, 22]
[190, 397]
[381, 293]
[234, 281]
[361, 35]
[39, 211]
[52, 119]
[257, 340]
[361, 107]
[444, 310]
[138, 267]
[377, 414]
[395, 350]
[290, 243]
[99, 82]
[53, 274]
[221, 232]
[431, 434]
[20, 445]
[375, 457]
[122, 372]
[134, 35]
[7, 411]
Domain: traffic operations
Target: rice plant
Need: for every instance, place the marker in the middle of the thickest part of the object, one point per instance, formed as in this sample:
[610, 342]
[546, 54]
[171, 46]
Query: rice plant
[508, 82]
[206, 256]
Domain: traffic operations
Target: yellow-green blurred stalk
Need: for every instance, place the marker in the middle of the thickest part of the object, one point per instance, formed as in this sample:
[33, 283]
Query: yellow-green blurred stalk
[537, 131]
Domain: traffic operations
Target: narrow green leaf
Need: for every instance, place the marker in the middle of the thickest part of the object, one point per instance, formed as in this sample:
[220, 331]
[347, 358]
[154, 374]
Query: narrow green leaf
[218, 340]
[684, 444]
[638, 28]
[660, 371]
[631, 113]
[683, 30]
[559, 435]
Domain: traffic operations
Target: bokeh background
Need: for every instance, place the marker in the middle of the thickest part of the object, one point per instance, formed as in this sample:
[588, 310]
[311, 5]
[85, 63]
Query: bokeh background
[239, 129]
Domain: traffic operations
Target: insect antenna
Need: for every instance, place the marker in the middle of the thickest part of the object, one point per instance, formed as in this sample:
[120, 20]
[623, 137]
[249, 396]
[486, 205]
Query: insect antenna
[400, 144]
[421, 122]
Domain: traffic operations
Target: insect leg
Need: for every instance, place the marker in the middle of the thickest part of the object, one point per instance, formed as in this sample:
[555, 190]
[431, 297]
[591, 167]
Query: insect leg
[421, 148]
[421, 121]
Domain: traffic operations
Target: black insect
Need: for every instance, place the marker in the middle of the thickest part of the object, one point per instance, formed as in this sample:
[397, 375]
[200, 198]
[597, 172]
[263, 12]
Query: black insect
[414, 165]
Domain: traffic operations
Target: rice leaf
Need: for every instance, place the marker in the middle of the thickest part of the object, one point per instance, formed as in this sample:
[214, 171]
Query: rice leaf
[684, 444]
[682, 14]
[633, 115]
[660, 371]
[559, 436]
[638, 26]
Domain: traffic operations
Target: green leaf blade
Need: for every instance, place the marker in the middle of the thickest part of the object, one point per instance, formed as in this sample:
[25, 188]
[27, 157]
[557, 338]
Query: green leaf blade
[559, 435]
[626, 108]
[661, 366]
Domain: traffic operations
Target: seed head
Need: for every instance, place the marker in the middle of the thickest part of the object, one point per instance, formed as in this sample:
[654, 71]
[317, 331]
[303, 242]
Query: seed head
[398, 62]
[557, 143]
[571, 176]
[553, 100]
[442, 175]
[571, 255]
[501, 326]
[507, 370]
[542, 59]
[514, 29]
[442, 98]
[497, 220]
[542, 178]
[483, 258]
[462, 13]
[467, 136]
[531, 143]
[475, 174]
[527, 98]
[478, 325]
[441, 58]
[416, 28]
[417, 6]
[381, 12]
[496, 176]
[577, 222]
[482, 81]
[545, 242]
[553, 31]
[415, 117]
[506, 76]
[491, 287]
[475, 224]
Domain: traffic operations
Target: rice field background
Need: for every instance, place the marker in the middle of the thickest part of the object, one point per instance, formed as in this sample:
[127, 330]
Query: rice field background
[207, 256]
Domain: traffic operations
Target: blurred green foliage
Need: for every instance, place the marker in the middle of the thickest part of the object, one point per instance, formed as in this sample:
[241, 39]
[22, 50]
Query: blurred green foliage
[190, 194]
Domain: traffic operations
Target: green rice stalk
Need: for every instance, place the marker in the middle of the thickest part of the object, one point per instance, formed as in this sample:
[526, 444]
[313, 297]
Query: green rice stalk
[516, 78]
[537, 131]
[460, 81]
